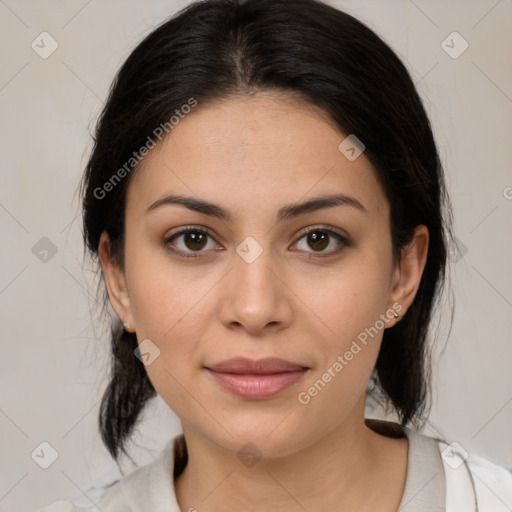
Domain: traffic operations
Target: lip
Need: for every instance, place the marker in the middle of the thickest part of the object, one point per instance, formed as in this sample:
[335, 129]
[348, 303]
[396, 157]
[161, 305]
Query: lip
[256, 379]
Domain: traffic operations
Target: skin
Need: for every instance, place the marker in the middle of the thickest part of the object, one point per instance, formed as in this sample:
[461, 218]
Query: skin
[253, 155]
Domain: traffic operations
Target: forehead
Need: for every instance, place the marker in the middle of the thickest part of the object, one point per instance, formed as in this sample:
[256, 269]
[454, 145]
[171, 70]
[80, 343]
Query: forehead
[265, 150]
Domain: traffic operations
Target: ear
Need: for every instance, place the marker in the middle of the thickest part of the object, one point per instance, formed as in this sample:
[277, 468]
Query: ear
[115, 281]
[408, 271]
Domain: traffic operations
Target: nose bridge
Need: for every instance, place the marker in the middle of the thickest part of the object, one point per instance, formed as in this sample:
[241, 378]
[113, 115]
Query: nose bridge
[255, 297]
[253, 274]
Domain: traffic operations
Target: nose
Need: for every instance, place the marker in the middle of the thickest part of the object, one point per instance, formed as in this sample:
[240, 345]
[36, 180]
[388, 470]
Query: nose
[255, 297]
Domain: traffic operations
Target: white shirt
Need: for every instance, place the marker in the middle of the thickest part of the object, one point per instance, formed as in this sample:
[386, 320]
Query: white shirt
[439, 478]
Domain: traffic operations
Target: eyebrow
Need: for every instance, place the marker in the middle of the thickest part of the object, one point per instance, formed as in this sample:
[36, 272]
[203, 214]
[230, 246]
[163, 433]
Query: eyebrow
[284, 213]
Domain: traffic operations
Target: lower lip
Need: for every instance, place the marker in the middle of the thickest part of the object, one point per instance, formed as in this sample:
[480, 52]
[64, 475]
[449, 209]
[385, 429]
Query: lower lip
[257, 387]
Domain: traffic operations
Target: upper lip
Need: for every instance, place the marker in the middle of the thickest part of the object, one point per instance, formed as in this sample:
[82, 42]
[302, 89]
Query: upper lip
[263, 366]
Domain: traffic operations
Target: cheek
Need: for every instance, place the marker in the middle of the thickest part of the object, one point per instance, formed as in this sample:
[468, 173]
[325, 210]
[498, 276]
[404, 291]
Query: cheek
[351, 306]
[163, 296]
[347, 300]
[168, 307]
[349, 303]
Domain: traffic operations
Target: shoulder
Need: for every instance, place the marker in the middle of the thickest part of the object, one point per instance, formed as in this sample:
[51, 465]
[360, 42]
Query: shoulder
[106, 499]
[146, 488]
[462, 480]
[474, 480]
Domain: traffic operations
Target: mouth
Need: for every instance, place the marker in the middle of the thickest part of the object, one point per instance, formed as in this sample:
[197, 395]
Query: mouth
[256, 379]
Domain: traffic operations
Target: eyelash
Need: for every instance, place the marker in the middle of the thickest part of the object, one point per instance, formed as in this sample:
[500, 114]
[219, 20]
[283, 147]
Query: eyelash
[343, 240]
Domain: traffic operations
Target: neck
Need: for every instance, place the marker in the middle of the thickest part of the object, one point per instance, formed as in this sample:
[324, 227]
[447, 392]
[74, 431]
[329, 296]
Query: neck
[348, 469]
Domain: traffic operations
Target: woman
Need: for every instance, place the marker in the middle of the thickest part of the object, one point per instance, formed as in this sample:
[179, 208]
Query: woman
[267, 204]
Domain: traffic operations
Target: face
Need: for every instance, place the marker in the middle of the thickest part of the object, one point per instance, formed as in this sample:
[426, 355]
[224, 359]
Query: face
[268, 268]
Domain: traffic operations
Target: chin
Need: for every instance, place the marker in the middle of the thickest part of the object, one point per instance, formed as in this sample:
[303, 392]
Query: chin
[267, 435]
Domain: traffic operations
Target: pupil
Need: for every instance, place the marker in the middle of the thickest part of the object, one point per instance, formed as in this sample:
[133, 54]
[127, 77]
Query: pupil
[318, 241]
[195, 240]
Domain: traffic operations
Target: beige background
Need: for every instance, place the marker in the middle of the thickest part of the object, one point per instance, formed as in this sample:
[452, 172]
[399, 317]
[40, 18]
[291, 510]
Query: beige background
[53, 357]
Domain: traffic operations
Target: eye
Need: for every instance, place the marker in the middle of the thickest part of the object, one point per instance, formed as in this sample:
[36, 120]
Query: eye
[326, 242]
[190, 240]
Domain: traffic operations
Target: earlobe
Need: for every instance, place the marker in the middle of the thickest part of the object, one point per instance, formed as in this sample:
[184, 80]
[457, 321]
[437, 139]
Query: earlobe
[409, 269]
[115, 281]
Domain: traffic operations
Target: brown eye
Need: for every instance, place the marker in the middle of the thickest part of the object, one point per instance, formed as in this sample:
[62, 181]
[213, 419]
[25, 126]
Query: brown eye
[189, 241]
[318, 241]
[325, 242]
[195, 240]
